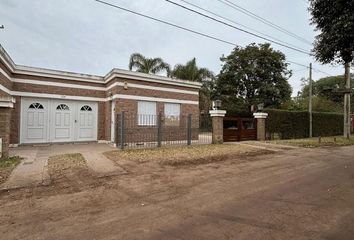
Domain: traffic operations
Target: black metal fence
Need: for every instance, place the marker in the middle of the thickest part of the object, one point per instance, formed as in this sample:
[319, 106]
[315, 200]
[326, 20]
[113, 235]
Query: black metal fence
[147, 131]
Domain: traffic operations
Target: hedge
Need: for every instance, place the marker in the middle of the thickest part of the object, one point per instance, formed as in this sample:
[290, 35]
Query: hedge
[295, 124]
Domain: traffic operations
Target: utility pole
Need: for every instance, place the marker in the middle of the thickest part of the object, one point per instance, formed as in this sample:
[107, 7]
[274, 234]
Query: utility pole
[310, 101]
[347, 122]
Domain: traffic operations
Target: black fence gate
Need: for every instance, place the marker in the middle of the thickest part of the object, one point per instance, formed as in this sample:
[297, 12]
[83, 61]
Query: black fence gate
[146, 131]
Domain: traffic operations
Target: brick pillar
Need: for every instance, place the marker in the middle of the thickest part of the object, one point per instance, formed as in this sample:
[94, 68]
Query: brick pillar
[5, 118]
[217, 117]
[261, 127]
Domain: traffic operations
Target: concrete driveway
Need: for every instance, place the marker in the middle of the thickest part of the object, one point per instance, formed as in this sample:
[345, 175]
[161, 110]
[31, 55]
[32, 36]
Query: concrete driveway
[33, 169]
[292, 194]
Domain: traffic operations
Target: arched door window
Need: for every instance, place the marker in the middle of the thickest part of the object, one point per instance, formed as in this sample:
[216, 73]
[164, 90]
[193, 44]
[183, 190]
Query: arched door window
[63, 107]
[36, 106]
[86, 108]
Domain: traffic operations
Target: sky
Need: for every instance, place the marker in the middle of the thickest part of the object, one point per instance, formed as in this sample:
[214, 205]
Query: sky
[88, 37]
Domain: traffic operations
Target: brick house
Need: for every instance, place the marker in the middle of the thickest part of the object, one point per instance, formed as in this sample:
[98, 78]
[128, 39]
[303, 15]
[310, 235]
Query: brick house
[48, 106]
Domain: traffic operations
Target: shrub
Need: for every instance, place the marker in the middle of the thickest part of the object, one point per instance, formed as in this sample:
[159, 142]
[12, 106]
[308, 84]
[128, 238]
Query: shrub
[295, 124]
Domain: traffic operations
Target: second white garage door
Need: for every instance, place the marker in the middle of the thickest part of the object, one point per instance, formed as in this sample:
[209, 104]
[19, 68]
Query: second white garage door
[48, 120]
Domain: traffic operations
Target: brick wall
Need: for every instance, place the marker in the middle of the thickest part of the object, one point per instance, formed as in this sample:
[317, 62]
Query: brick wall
[5, 115]
[135, 133]
[15, 122]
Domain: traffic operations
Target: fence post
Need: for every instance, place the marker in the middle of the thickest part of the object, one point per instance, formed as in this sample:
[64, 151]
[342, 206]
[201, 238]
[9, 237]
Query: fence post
[116, 132]
[261, 125]
[217, 117]
[159, 132]
[122, 130]
[189, 129]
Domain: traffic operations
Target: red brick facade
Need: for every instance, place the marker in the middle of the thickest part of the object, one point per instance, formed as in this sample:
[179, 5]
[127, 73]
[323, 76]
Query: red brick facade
[121, 88]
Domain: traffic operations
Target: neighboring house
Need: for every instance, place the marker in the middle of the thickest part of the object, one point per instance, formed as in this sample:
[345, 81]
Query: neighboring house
[48, 106]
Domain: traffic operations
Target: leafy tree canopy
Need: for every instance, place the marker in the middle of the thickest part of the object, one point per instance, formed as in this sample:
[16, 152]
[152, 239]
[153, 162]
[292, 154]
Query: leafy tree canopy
[335, 21]
[325, 88]
[319, 104]
[190, 71]
[251, 75]
[143, 64]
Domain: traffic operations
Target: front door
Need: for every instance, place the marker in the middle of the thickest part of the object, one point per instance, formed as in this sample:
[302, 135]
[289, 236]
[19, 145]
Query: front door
[62, 127]
[86, 121]
[34, 122]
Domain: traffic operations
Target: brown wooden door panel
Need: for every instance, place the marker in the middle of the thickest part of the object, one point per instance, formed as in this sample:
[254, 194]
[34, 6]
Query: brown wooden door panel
[239, 129]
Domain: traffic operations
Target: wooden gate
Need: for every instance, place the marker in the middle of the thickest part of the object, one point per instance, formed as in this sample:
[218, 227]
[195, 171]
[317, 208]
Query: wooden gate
[239, 129]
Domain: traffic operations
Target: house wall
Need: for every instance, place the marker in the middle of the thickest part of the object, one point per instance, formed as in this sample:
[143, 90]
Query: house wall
[123, 92]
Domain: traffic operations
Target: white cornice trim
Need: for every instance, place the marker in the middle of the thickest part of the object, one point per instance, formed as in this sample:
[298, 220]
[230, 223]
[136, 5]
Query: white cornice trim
[6, 59]
[57, 74]
[7, 102]
[58, 84]
[142, 86]
[57, 96]
[150, 78]
[153, 99]
[5, 89]
[2, 71]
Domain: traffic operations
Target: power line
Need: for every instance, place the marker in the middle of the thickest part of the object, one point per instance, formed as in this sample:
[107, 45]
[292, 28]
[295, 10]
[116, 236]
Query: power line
[237, 28]
[184, 28]
[168, 23]
[263, 20]
[244, 26]
[299, 70]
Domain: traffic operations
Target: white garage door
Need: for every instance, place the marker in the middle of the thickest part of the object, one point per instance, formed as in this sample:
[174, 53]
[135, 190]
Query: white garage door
[44, 120]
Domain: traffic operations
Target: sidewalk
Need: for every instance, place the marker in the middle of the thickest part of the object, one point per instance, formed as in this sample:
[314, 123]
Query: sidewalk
[32, 170]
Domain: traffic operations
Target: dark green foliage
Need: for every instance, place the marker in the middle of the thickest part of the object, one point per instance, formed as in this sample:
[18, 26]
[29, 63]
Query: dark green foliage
[190, 71]
[252, 75]
[295, 124]
[334, 19]
[327, 124]
[325, 88]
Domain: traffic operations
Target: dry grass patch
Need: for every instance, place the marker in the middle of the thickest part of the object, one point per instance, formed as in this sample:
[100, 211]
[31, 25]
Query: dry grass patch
[174, 156]
[317, 142]
[7, 165]
[65, 164]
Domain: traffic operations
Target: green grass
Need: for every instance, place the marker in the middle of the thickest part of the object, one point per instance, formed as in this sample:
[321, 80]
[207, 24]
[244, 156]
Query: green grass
[317, 142]
[9, 162]
[7, 165]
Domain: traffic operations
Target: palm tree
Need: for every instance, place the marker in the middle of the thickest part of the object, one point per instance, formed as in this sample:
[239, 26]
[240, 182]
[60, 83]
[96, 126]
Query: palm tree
[148, 65]
[190, 71]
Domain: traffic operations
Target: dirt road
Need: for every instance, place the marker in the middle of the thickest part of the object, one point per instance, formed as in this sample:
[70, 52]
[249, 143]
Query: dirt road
[293, 194]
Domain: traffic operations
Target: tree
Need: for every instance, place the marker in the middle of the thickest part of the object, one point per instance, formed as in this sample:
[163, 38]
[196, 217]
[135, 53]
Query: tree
[148, 65]
[190, 71]
[252, 75]
[326, 88]
[335, 43]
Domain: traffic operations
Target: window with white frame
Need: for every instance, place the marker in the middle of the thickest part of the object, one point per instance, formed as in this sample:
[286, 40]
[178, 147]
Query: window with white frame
[172, 114]
[146, 113]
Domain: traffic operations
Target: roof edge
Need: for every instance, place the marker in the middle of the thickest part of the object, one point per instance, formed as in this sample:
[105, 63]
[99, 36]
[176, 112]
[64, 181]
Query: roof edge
[115, 72]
